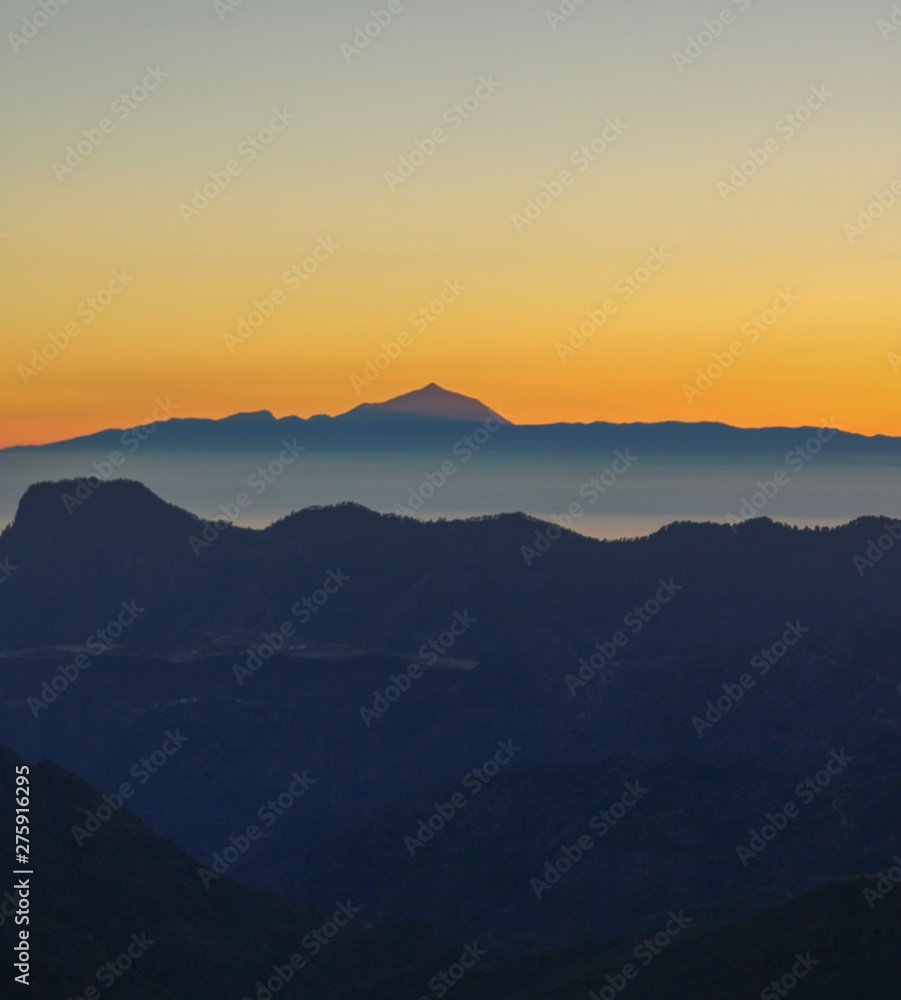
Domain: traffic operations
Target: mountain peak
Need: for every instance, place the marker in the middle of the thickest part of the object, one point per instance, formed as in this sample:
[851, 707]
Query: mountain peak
[434, 401]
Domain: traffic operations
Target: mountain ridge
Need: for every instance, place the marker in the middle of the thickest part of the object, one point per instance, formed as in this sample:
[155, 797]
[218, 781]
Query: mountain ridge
[123, 542]
[425, 411]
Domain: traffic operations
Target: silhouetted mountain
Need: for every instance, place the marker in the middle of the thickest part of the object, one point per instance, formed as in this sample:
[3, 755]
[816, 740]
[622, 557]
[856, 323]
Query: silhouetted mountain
[696, 607]
[433, 417]
[130, 889]
[431, 401]
[79, 559]
[131, 913]
[481, 873]
[826, 945]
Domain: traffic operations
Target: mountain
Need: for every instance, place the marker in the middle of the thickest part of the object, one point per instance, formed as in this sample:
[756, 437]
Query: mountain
[534, 589]
[434, 453]
[825, 945]
[432, 401]
[424, 415]
[127, 896]
[167, 617]
[577, 753]
[434, 417]
[133, 890]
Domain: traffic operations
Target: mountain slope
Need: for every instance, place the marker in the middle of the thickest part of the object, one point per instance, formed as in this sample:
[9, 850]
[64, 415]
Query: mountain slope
[432, 401]
[533, 590]
[131, 889]
[89, 906]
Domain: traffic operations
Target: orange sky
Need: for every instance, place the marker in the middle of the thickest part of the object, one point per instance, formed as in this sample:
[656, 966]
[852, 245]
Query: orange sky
[320, 178]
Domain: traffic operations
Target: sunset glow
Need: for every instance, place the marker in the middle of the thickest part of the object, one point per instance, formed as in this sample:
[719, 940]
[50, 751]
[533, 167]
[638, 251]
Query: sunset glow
[307, 215]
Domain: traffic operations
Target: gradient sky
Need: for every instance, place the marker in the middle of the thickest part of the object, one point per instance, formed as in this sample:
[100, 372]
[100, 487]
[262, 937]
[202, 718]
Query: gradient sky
[834, 357]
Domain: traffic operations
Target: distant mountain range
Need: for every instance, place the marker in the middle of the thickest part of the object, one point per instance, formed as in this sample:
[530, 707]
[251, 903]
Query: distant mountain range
[433, 402]
[433, 416]
[435, 453]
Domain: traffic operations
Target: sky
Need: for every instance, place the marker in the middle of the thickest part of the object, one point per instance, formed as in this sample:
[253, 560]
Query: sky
[618, 210]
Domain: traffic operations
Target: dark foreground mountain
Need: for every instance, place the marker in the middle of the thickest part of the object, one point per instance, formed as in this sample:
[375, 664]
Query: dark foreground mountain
[826, 945]
[460, 704]
[74, 555]
[130, 912]
[134, 916]
[731, 666]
